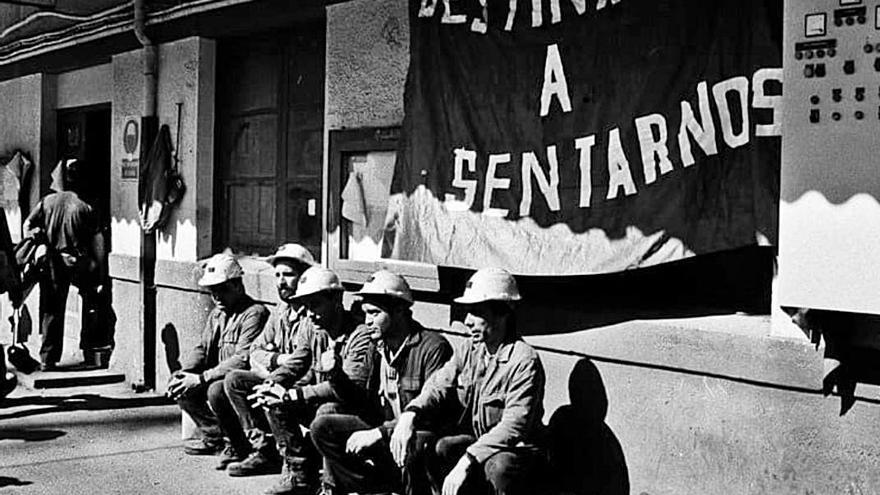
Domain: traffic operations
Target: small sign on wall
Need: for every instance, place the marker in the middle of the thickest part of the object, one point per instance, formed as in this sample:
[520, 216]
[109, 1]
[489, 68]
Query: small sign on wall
[131, 141]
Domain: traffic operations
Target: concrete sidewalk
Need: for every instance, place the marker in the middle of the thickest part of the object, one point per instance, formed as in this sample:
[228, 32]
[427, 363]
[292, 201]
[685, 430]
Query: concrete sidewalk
[103, 439]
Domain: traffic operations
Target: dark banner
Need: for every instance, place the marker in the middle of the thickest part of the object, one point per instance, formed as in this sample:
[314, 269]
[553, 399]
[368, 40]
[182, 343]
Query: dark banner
[570, 137]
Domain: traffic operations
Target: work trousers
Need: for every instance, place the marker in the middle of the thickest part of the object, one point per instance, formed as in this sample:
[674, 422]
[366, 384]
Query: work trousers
[209, 407]
[509, 472]
[239, 384]
[54, 287]
[372, 471]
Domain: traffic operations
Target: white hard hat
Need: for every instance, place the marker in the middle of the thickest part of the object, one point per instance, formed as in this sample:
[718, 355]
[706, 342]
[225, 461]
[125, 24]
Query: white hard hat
[220, 268]
[386, 283]
[490, 284]
[292, 251]
[317, 279]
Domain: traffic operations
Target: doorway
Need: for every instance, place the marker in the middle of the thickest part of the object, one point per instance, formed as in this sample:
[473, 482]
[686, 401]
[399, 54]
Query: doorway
[84, 134]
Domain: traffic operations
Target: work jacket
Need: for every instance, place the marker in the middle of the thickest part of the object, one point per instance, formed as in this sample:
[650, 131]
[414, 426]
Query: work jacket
[225, 342]
[278, 337]
[501, 395]
[356, 360]
[421, 354]
[353, 346]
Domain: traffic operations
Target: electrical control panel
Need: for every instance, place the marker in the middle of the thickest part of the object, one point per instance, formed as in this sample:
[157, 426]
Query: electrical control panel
[829, 224]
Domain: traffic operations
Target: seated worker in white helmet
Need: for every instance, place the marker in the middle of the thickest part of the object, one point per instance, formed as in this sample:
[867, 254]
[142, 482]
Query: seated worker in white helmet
[332, 343]
[224, 345]
[355, 446]
[498, 381]
[252, 450]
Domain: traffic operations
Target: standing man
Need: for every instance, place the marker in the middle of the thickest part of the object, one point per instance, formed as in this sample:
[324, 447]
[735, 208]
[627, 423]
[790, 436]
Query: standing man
[271, 358]
[356, 447]
[333, 345]
[498, 381]
[224, 345]
[75, 251]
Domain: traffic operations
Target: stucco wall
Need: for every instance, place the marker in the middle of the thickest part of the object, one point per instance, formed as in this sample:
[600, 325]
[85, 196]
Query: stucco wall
[87, 86]
[367, 60]
[186, 77]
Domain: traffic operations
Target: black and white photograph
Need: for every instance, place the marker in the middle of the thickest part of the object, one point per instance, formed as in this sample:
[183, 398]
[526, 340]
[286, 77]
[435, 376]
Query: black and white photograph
[440, 247]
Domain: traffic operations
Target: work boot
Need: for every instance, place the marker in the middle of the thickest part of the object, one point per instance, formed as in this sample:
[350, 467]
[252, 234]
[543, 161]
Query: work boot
[295, 478]
[203, 447]
[258, 462]
[229, 455]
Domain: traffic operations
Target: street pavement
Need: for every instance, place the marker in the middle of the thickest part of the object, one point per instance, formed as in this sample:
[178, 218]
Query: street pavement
[103, 440]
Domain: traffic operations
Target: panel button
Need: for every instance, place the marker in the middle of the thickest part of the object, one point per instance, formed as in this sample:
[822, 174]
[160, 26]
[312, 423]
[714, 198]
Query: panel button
[836, 94]
[868, 48]
[877, 64]
[831, 52]
[859, 115]
[814, 115]
[814, 99]
[819, 70]
[835, 115]
[849, 67]
[860, 94]
[798, 55]
[808, 70]
[850, 21]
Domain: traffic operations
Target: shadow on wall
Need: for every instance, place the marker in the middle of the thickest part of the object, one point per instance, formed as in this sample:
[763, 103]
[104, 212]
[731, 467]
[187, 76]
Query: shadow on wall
[852, 349]
[9, 481]
[585, 455]
[172, 347]
[711, 284]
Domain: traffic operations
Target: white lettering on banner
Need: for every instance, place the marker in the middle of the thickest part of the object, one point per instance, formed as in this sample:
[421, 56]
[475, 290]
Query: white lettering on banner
[555, 12]
[585, 146]
[493, 182]
[470, 186]
[651, 148]
[510, 15]
[536, 13]
[704, 134]
[549, 187]
[479, 24]
[554, 82]
[449, 18]
[761, 100]
[600, 4]
[619, 174]
[652, 132]
[740, 85]
[428, 7]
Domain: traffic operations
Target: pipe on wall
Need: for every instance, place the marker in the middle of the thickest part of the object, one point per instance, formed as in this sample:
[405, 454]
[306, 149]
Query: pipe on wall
[149, 130]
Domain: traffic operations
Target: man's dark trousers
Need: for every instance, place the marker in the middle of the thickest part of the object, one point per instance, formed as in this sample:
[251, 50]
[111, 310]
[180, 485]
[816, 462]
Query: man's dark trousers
[239, 384]
[506, 472]
[54, 287]
[373, 471]
[217, 420]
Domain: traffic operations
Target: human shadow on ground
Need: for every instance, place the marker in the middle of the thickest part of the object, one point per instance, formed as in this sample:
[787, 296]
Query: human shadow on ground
[30, 435]
[78, 402]
[586, 457]
[9, 481]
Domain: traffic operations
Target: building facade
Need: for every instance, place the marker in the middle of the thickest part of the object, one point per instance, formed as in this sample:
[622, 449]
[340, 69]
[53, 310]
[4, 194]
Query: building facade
[272, 104]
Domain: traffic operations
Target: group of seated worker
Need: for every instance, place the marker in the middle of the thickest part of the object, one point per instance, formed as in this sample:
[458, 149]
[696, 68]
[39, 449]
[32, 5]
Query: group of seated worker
[382, 405]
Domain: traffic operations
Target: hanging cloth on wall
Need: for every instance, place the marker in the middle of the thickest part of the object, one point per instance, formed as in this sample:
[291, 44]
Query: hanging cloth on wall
[161, 185]
[354, 207]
